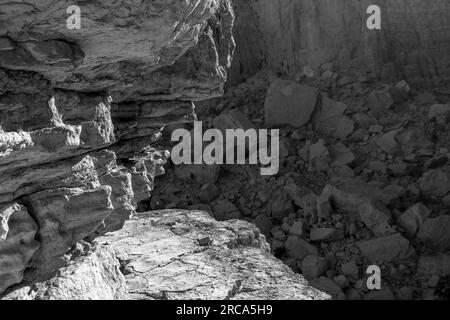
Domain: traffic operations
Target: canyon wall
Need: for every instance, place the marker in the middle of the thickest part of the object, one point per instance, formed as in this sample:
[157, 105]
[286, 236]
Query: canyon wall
[79, 110]
[286, 35]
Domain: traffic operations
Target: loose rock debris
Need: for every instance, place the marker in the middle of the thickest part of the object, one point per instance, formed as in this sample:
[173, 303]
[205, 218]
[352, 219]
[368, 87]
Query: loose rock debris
[364, 179]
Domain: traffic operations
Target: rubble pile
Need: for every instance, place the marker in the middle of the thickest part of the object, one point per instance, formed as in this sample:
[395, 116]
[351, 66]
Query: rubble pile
[364, 180]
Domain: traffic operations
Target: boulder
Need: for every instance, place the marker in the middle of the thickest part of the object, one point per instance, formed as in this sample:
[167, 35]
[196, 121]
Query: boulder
[289, 103]
[329, 119]
[162, 259]
[434, 265]
[326, 234]
[435, 183]
[298, 248]
[411, 220]
[386, 249]
[368, 201]
[314, 267]
[434, 233]
[329, 286]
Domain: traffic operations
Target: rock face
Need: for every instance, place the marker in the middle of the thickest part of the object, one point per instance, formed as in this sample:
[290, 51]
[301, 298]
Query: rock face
[91, 274]
[413, 40]
[175, 254]
[79, 109]
[17, 243]
[121, 47]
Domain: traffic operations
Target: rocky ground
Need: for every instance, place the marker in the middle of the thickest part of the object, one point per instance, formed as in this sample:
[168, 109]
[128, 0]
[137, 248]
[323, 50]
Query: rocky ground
[365, 181]
[364, 176]
[79, 112]
[174, 254]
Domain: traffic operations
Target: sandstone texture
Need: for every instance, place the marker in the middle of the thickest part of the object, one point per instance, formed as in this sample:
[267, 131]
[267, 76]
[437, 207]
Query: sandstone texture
[80, 109]
[174, 254]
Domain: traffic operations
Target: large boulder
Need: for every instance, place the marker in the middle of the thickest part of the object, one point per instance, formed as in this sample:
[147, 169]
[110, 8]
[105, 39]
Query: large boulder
[289, 103]
[174, 254]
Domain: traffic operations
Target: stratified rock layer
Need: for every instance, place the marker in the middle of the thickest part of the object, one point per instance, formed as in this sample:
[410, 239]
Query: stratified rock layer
[129, 47]
[79, 109]
[174, 254]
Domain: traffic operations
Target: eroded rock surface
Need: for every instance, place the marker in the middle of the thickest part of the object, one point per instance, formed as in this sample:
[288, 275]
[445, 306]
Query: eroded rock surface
[80, 109]
[174, 254]
[91, 274]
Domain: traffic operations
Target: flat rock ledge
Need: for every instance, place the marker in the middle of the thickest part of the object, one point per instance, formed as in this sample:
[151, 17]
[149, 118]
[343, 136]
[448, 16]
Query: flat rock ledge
[175, 254]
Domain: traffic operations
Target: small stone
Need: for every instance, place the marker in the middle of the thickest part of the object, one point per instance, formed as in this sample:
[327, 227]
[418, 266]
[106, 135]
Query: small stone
[289, 103]
[326, 234]
[340, 153]
[225, 210]
[277, 246]
[413, 218]
[403, 85]
[324, 208]
[434, 233]
[201, 173]
[383, 294]
[232, 119]
[377, 166]
[386, 249]
[298, 248]
[209, 192]
[434, 265]
[327, 66]
[398, 169]
[388, 143]
[350, 269]
[439, 112]
[380, 101]
[375, 128]
[298, 229]
[313, 267]
[435, 183]
[329, 119]
[326, 285]
[206, 241]
[317, 156]
[354, 294]
[278, 234]
[281, 207]
[433, 281]
[341, 281]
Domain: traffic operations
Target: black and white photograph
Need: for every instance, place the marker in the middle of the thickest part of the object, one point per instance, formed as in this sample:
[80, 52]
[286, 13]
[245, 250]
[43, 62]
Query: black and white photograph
[240, 152]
